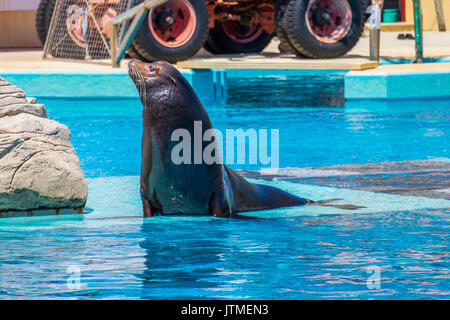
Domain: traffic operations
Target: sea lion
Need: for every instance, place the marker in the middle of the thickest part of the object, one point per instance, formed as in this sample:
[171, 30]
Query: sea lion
[170, 103]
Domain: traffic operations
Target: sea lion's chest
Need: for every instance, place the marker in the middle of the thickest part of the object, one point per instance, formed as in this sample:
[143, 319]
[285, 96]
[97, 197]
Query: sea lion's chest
[178, 188]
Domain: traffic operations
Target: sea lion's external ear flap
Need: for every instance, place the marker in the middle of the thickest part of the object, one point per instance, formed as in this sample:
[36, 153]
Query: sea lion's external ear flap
[173, 80]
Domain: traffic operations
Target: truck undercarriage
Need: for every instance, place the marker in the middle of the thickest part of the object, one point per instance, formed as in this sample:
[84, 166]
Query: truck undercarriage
[177, 29]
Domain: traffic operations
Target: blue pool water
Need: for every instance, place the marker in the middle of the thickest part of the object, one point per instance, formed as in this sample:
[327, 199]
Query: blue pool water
[296, 253]
[314, 128]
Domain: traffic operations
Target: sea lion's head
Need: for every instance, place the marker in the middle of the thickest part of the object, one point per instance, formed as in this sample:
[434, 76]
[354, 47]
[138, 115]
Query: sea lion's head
[156, 82]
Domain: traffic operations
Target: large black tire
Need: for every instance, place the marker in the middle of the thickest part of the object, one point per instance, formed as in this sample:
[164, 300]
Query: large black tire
[285, 45]
[145, 44]
[220, 43]
[133, 54]
[304, 42]
[131, 51]
[44, 15]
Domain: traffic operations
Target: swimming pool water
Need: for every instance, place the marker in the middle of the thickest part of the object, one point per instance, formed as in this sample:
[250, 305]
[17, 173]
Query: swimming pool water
[314, 128]
[296, 253]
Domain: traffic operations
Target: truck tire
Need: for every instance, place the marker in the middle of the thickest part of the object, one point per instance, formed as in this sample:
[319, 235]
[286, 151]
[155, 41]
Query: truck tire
[321, 29]
[172, 32]
[230, 37]
[44, 15]
[280, 10]
[132, 53]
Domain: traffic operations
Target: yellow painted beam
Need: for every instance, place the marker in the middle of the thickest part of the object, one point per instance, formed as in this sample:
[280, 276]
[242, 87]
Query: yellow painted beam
[395, 27]
[276, 62]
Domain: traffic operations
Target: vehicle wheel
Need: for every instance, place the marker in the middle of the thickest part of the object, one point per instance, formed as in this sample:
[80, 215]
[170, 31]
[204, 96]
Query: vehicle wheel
[174, 31]
[232, 37]
[132, 53]
[285, 45]
[324, 28]
[44, 15]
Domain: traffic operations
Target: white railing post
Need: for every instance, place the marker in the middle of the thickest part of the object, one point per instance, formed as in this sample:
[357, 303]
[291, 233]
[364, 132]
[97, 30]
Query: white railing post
[374, 22]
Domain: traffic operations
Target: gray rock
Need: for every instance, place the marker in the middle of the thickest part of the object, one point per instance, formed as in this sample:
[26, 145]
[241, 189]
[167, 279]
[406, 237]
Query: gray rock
[39, 168]
[16, 98]
[33, 109]
[31, 100]
[24, 122]
[10, 89]
[3, 82]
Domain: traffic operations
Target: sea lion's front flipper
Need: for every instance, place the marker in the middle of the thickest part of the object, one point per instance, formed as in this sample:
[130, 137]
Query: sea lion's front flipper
[220, 206]
[148, 212]
[147, 207]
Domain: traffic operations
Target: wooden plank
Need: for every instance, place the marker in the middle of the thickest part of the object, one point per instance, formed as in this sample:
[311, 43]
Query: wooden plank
[395, 27]
[276, 62]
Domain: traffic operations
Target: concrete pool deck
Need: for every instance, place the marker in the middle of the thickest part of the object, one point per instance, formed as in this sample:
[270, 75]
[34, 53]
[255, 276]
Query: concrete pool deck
[31, 59]
[399, 81]
[436, 45]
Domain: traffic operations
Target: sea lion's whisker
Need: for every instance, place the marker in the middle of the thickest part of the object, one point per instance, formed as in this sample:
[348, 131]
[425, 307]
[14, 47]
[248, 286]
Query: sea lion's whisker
[142, 87]
[139, 80]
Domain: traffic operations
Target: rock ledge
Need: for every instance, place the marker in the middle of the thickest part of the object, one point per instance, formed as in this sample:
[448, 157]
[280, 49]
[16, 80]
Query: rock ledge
[40, 171]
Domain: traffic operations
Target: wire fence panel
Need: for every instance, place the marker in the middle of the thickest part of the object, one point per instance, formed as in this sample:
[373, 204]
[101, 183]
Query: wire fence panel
[80, 28]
